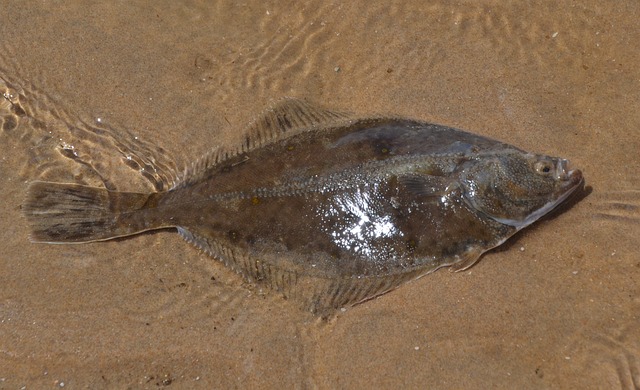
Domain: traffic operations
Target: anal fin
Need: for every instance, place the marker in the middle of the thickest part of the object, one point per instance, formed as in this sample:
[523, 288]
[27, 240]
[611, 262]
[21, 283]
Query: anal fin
[253, 270]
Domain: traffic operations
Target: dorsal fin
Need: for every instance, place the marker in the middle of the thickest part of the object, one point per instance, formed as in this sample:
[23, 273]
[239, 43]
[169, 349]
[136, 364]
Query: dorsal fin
[287, 117]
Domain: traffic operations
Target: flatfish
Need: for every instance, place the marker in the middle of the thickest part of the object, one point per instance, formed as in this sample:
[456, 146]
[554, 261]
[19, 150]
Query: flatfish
[328, 209]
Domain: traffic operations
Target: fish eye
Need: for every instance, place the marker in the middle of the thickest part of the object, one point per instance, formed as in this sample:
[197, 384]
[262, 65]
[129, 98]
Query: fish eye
[544, 167]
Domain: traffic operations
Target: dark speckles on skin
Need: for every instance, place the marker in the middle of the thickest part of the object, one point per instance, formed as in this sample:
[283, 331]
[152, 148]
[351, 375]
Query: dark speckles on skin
[233, 235]
[411, 244]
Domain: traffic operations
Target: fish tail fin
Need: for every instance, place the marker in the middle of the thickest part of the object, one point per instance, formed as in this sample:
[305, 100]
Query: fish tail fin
[72, 213]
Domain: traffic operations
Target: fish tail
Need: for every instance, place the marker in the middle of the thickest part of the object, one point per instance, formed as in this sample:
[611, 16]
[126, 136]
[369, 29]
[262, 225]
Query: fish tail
[72, 213]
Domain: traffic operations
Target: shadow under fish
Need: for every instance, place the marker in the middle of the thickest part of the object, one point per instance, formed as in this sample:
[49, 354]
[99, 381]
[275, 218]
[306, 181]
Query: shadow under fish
[328, 209]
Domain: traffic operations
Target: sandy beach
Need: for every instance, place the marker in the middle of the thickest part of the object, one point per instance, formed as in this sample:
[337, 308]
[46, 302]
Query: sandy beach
[126, 95]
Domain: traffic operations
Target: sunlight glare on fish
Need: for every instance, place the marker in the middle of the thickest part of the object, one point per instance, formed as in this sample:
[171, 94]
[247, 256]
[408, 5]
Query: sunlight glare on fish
[366, 225]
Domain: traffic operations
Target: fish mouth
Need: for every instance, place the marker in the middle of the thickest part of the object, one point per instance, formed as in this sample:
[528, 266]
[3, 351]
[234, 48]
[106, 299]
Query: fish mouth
[572, 180]
[565, 173]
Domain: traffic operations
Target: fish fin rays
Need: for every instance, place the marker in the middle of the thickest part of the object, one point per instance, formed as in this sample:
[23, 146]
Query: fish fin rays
[467, 259]
[73, 213]
[425, 185]
[286, 117]
[327, 296]
[318, 294]
[253, 270]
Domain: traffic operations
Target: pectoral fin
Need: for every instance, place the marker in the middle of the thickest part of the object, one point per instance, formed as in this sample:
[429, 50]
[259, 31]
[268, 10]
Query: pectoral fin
[425, 185]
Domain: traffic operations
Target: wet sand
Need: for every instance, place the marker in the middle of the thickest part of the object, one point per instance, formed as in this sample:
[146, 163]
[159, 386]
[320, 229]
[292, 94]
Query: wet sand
[127, 95]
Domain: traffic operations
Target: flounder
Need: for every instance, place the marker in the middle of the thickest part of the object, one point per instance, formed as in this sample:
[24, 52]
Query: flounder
[328, 209]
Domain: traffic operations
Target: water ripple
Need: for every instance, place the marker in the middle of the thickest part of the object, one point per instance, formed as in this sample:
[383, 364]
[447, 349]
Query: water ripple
[60, 145]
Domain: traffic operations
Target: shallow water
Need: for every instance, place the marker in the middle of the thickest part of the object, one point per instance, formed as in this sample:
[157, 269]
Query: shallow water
[128, 95]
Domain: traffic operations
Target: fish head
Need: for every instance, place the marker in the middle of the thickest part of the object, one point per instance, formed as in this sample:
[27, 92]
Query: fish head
[517, 188]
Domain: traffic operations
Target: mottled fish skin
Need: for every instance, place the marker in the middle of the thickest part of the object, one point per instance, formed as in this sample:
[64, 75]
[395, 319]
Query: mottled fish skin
[334, 210]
